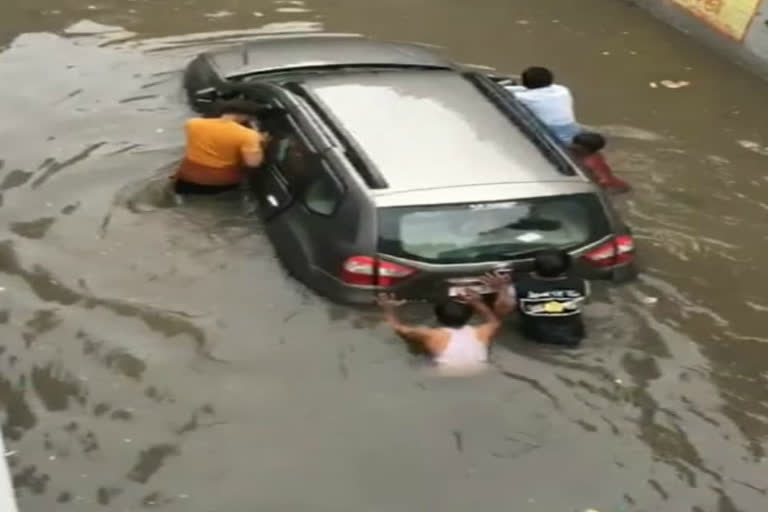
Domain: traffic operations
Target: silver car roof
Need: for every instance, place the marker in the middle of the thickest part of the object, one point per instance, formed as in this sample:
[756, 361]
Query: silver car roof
[295, 51]
[431, 129]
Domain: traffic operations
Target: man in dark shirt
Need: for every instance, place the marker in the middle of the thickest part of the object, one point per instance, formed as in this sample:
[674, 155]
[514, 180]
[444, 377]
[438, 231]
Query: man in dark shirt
[550, 300]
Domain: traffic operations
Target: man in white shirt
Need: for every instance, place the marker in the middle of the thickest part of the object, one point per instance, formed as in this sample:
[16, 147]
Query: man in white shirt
[550, 102]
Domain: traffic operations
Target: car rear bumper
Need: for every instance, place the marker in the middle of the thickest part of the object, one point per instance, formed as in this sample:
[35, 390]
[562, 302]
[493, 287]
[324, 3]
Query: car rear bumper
[340, 292]
[345, 294]
[623, 273]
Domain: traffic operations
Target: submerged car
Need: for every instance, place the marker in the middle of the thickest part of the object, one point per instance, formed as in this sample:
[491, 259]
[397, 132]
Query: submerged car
[393, 169]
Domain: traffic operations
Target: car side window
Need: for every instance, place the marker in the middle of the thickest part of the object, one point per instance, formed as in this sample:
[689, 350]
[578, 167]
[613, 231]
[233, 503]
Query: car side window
[289, 153]
[306, 176]
[323, 194]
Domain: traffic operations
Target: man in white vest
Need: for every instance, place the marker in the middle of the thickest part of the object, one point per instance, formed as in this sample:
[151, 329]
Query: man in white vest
[552, 103]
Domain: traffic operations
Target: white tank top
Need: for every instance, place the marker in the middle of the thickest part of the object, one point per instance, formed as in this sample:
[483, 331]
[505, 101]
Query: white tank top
[463, 348]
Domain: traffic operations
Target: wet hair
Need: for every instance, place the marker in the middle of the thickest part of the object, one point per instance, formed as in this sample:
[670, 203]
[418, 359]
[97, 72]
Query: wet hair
[552, 262]
[241, 107]
[537, 77]
[592, 142]
[453, 314]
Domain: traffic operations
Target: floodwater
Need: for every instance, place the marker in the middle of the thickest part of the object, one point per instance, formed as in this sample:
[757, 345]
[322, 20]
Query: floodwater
[155, 356]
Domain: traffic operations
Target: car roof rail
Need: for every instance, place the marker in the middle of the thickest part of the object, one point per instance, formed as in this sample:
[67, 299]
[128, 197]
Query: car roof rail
[531, 127]
[367, 171]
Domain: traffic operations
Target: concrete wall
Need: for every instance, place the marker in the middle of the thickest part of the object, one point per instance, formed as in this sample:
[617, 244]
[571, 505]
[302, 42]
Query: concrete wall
[737, 27]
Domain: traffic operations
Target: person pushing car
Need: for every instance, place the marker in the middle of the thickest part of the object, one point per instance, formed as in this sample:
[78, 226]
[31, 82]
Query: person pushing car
[455, 343]
[549, 301]
[219, 150]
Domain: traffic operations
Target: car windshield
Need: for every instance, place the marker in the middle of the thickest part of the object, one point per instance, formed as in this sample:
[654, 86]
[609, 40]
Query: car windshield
[476, 232]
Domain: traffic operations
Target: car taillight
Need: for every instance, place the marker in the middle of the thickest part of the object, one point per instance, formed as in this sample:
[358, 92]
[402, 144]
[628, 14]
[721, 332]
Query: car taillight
[369, 271]
[625, 249]
[618, 251]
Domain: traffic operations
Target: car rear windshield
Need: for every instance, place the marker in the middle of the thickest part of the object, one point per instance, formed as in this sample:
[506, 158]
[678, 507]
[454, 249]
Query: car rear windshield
[477, 232]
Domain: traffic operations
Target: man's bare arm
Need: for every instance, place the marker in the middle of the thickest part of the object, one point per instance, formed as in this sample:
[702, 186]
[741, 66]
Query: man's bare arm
[410, 332]
[252, 153]
[491, 321]
[253, 156]
[505, 301]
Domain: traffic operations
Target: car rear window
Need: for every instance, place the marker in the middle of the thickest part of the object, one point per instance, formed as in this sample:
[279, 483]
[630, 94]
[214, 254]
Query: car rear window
[476, 232]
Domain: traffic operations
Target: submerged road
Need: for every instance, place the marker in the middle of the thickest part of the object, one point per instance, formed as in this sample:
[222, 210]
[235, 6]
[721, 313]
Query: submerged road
[156, 357]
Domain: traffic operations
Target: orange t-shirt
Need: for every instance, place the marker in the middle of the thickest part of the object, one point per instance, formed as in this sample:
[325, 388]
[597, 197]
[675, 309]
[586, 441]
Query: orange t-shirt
[214, 149]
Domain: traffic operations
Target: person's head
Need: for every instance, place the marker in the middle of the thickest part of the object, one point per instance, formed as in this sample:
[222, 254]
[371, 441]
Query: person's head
[453, 314]
[552, 262]
[537, 77]
[587, 143]
[239, 110]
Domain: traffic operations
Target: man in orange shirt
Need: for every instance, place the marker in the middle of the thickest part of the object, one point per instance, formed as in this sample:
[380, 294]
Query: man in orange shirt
[219, 148]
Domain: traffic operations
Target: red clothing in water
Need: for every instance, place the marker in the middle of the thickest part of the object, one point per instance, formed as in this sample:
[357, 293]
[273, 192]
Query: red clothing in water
[603, 174]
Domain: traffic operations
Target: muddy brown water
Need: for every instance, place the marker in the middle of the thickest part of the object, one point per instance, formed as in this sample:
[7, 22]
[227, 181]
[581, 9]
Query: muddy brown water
[154, 356]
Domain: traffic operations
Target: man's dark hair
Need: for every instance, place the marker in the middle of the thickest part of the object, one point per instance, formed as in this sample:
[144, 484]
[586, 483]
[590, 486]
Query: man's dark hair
[241, 107]
[453, 314]
[592, 142]
[537, 77]
[552, 262]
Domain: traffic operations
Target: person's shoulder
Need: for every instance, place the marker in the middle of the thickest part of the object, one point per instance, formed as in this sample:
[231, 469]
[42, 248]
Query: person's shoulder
[237, 131]
[525, 93]
[201, 120]
[576, 281]
[249, 136]
[245, 131]
[515, 88]
[200, 123]
[561, 89]
[576, 278]
[435, 333]
[522, 284]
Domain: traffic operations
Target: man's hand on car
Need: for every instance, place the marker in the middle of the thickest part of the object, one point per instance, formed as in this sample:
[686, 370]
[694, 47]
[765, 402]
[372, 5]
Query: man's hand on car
[497, 281]
[470, 297]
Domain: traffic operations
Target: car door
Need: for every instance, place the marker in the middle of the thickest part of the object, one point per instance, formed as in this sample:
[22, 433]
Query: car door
[299, 197]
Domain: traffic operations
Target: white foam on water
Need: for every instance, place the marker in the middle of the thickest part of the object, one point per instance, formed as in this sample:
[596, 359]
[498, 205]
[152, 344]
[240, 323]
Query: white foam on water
[7, 498]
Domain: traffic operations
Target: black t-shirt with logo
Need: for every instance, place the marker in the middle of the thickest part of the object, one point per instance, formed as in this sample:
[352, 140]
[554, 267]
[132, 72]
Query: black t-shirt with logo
[550, 309]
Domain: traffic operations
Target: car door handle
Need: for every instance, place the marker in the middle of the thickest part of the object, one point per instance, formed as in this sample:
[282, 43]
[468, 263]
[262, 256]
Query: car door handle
[272, 200]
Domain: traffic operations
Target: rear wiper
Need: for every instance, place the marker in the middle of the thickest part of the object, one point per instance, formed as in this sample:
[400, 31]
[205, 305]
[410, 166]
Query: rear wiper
[528, 224]
[533, 224]
[477, 254]
[528, 253]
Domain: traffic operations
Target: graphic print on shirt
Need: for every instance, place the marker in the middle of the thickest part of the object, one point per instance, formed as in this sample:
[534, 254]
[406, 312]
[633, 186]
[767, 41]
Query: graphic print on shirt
[565, 302]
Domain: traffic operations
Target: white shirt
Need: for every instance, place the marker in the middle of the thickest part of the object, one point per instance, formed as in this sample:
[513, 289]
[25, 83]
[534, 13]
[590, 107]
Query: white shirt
[463, 348]
[553, 105]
